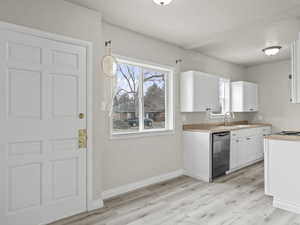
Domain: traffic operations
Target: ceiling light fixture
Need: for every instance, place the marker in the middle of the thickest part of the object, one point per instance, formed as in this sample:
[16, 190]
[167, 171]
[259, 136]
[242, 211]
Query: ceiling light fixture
[162, 2]
[271, 51]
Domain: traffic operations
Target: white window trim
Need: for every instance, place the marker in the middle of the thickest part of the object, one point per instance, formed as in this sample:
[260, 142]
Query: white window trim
[170, 112]
[222, 114]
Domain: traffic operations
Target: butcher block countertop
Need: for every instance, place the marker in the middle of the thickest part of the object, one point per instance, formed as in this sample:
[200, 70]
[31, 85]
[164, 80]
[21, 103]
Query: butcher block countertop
[283, 137]
[219, 127]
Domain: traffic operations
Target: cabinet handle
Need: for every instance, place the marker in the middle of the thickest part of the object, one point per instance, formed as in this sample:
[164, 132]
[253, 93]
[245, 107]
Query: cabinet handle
[237, 141]
[248, 139]
[291, 84]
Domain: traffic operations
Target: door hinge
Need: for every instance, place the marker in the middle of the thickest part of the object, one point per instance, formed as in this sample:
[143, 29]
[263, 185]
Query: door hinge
[82, 138]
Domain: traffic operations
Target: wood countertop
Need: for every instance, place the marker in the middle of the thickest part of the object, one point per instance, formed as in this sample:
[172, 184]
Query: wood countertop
[283, 137]
[219, 127]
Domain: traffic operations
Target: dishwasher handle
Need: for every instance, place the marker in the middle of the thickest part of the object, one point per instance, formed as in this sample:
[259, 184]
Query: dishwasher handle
[221, 134]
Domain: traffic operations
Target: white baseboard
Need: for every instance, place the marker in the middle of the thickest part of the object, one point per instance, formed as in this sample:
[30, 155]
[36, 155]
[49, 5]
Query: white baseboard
[95, 204]
[291, 207]
[197, 176]
[131, 187]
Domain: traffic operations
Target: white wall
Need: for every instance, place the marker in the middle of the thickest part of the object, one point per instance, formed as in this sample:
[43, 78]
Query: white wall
[274, 104]
[135, 159]
[132, 160]
[120, 161]
[195, 61]
[57, 16]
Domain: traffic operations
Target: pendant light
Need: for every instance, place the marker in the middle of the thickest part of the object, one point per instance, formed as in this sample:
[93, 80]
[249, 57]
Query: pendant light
[162, 2]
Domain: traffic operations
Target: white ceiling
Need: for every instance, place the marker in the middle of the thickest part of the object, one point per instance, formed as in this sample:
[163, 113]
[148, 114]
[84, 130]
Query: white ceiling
[231, 30]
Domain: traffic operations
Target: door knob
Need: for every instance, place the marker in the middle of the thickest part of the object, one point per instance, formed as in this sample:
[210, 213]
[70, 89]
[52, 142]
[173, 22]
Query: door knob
[81, 115]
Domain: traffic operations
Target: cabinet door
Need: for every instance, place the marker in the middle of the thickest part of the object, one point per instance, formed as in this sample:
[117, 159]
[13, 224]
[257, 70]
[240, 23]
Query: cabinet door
[206, 92]
[250, 149]
[237, 97]
[242, 152]
[295, 73]
[244, 96]
[250, 97]
[266, 168]
[259, 146]
[256, 144]
[234, 148]
[246, 150]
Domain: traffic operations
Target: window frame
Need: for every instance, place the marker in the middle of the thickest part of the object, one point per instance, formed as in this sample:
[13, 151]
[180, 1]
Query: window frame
[222, 113]
[169, 100]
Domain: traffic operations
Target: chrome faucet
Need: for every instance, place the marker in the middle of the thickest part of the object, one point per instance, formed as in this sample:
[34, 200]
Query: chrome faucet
[227, 118]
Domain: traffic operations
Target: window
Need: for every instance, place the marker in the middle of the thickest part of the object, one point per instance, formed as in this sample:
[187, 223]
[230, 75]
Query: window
[143, 100]
[225, 95]
[224, 98]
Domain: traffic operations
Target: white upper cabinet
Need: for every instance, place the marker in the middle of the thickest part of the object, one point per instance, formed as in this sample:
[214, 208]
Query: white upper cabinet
[244, 96]
[199, 92]
[295, 73]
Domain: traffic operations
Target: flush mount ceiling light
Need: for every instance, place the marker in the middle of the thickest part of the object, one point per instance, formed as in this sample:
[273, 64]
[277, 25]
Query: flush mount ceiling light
[162, 2]
[271, 51]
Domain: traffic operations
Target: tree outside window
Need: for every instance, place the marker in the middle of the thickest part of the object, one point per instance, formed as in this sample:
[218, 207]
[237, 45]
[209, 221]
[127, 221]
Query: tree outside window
[141, 100]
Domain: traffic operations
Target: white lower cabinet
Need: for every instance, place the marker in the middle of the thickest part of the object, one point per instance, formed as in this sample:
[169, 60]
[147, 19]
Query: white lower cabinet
[282, 173]
[246, 146]
[197, 155]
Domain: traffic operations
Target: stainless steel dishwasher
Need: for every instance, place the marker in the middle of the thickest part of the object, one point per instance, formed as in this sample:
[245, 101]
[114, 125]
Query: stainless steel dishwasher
[220, 153]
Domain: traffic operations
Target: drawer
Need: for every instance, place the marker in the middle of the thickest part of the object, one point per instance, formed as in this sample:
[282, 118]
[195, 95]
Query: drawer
[266, 130]
[251, 132]
[244, 132]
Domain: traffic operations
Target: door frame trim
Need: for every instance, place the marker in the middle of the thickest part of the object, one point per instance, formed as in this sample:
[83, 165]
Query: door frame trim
[91, 203]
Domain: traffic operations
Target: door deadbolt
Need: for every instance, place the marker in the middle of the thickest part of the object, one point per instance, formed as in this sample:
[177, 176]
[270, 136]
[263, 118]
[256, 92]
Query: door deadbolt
[82, 138]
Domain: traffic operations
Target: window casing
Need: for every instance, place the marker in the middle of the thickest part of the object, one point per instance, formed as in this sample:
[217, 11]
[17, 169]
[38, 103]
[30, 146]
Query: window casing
[224, 99]
[144, 99]
[225, 95]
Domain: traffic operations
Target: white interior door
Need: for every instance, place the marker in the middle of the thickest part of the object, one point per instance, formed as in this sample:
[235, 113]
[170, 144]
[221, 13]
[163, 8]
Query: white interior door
[42, 92]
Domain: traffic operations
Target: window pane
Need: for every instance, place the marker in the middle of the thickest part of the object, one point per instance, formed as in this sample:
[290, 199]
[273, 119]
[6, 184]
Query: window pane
[126, 102]
[154, 99]
[225, 95]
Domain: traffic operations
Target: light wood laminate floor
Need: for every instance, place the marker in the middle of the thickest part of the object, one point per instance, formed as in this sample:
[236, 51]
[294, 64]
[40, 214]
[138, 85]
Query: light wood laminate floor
[236, 199]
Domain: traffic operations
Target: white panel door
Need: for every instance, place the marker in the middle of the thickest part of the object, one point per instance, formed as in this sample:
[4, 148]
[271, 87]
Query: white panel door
[42, 92]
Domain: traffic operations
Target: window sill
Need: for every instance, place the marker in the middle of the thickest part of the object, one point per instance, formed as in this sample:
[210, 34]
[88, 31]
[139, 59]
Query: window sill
[141, 134]
[217, 115]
